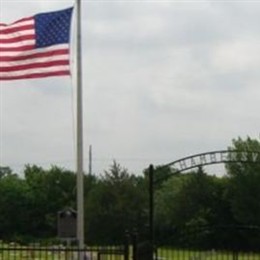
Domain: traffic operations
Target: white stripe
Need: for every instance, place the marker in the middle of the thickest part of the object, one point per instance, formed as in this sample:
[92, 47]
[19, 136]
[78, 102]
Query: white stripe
[16, 34]
[32, 61]
[64, 46]
[18, 44]
[32, 71]
[18, 24]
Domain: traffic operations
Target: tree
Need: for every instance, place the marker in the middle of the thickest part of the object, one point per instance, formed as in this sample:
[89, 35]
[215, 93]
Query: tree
[13, 206]
[4, 171]
[49, 191]
[114, 205]
[190, 201]
[244, 183]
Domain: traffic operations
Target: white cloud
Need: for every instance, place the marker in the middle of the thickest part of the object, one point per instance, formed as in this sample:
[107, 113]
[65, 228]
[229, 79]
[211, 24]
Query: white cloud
[237, 55]
[162, 80]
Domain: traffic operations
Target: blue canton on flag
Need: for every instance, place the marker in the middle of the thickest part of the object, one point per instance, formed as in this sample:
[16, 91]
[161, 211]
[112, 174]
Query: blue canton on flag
[52, 28]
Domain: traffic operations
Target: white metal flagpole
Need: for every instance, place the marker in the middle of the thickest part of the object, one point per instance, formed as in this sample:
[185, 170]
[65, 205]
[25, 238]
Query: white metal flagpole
[80, 173]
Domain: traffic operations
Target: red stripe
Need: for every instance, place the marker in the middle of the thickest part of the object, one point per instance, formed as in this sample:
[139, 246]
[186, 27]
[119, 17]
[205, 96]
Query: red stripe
[24, 19]
[16, 29]
[35, 55]
[18, 21]
[37, 75]
[35, 65]
[18, 39]
[21, 48]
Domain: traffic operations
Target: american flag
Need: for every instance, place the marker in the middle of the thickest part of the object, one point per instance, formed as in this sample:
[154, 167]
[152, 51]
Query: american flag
[36, 46]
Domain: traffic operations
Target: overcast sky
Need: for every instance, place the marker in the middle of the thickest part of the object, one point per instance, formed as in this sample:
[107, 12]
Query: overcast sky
[162, 80]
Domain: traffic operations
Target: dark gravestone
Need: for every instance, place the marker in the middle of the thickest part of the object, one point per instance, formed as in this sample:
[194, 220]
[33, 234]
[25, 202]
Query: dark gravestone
[67, 223]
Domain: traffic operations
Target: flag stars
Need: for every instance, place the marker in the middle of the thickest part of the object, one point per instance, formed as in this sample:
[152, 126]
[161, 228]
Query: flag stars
[53, 28]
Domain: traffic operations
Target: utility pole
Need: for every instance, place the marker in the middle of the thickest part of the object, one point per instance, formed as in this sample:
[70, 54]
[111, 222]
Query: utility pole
[90, 160]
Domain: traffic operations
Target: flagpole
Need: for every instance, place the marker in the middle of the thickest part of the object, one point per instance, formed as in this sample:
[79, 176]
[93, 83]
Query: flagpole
[80, 173]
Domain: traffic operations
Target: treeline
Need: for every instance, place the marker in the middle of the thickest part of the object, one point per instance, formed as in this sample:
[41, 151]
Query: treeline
[117, 201]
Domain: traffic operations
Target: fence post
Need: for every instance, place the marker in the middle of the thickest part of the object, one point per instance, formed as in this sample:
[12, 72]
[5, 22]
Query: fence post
[134, 241]
[126, 246]
[235, 254]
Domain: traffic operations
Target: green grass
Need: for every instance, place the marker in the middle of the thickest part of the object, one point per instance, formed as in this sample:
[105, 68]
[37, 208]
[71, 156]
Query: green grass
[8, 252]
[178, 254]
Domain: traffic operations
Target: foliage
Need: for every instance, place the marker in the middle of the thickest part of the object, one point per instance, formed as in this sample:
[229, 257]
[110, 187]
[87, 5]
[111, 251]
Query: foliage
[244, 184]
[13, 204]
[114, 206]
[116, 201]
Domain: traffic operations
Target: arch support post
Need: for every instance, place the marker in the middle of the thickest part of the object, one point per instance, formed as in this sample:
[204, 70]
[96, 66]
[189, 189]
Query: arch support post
[151, 209]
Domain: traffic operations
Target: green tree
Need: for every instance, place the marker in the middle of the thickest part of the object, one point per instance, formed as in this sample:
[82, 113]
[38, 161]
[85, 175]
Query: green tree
[13, 206]
[4, 170]
[189, 201]
[49, 191]
[244, 183]
[114, 205]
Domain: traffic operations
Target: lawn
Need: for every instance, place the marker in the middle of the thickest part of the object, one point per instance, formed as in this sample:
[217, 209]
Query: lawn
[10, 252]
[178, 254]
[17, 252]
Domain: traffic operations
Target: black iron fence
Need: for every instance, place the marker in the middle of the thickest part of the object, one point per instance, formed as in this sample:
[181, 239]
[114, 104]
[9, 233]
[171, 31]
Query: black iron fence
[166, 253]
[205, 237]
[209, 243]
[201, 243]
[37, 251]
[58, 252]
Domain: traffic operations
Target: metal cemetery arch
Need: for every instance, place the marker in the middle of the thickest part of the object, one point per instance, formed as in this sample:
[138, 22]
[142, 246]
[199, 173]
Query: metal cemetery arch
[195, 161]
[215, 157]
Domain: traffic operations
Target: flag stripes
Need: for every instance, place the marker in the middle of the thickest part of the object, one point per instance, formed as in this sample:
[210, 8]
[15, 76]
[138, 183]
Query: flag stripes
[27, 52]
[37, 73]
[34, 54]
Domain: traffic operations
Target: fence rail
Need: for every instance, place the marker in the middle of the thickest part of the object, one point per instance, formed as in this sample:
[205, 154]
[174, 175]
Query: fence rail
[168, 253]
[12, 251]
[58, 252]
